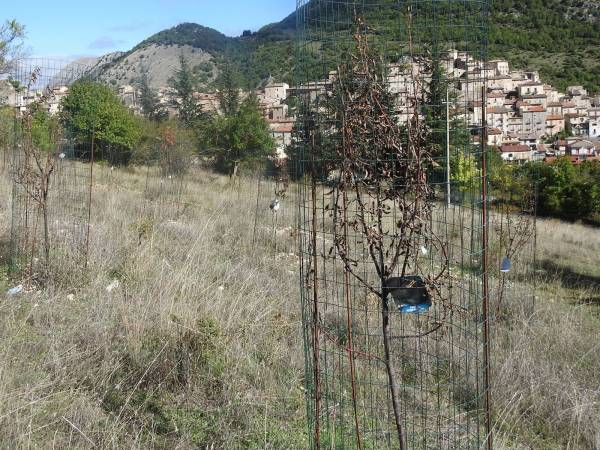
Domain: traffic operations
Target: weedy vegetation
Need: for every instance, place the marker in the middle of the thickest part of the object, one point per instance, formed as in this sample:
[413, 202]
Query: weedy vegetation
[197, 343]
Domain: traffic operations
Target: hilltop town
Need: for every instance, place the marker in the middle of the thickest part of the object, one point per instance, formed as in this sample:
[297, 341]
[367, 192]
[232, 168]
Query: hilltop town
[527, 118]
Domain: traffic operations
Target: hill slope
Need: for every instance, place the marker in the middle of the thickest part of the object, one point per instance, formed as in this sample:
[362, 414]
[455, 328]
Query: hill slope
[561, 38]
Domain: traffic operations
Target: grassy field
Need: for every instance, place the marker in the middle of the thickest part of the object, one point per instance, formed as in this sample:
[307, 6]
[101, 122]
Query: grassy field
[184, 332]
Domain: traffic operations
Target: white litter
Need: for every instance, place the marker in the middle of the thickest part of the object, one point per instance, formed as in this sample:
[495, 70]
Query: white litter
[71, 297]
[62, 156]
[221, 288]
[424, 250]
[16, 290]
[112, 286]
[275, 205]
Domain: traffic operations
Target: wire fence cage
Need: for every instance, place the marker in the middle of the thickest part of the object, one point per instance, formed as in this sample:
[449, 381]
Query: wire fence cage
[50, 170]
[275, 212]
[393, 222]
[512, 251]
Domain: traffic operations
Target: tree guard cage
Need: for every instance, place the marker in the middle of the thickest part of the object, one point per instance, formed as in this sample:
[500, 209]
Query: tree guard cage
[513, 240]
[50, 171]
[393, 228]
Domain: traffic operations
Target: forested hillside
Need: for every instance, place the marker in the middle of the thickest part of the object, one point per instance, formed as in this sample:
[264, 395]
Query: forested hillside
[561, 38]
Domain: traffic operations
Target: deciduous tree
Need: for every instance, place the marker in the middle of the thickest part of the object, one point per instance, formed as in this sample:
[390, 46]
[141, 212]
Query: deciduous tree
[92, 111]
[239, 138]
[12, 34]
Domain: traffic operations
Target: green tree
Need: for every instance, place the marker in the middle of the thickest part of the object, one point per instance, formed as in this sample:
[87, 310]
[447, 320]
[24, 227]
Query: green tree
[167, 144]
[553, 182]
[434, 109]
[152, 108]
[43, 129]
[239, 138]
[12, 34]
[228, 84]
[499, 172]
[92, 112]
[7, 124]
[465, 172]
[184, 82]
[41, 134]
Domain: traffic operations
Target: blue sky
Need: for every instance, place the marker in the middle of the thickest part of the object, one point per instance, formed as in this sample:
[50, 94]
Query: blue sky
[73, 28]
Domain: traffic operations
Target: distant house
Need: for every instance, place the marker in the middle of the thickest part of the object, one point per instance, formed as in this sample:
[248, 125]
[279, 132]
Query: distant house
[510, 139]
[579, 123]
[311, 90]
[54, 101]
[529, 140]
[581, 148]
[276, 91]
[8, 94]
[209, 102]
[514, 125]
[554, 124]
[277, 112]
[536, 99]
[128, 95]
[516, 153]
[282, 134]
[534, 120]
[551, 93]
[503, 82]
[531, 88]
[497, 117]
[594, 128]
[560, 147]
[569, 107]
[494, 136]
[541, 152]
[575, 160]
[495, 99]
[555, 108]
[500, 66]
[594, 122]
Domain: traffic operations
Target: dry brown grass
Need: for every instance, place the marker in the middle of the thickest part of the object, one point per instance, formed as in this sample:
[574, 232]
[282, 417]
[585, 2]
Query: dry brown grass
[546, 384]
[200, 345]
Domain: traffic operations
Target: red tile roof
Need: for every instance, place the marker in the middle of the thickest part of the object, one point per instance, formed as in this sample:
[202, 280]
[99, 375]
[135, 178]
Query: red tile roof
[497, 110]
[514, 148]
[535, 108]
[283, 127]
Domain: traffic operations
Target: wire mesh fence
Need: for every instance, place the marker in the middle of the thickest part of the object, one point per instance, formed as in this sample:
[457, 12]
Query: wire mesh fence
[385, 197]
[393, 223]
[513, 243]
[50, 170]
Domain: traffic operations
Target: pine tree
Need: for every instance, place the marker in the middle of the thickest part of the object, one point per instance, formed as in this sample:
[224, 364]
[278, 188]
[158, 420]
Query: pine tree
[229, 89]
[184, 83]
[150, 103]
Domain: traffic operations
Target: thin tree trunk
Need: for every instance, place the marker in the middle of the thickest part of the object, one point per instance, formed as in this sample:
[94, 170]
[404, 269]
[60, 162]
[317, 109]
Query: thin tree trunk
[385, 315]
[46, 233]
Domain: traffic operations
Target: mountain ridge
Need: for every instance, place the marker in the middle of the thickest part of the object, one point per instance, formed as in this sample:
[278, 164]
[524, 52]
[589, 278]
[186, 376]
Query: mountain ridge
[560, 38]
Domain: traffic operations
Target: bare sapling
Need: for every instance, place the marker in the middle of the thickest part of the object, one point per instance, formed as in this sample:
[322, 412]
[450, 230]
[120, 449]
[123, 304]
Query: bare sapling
[383, 196]
[41, 135]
